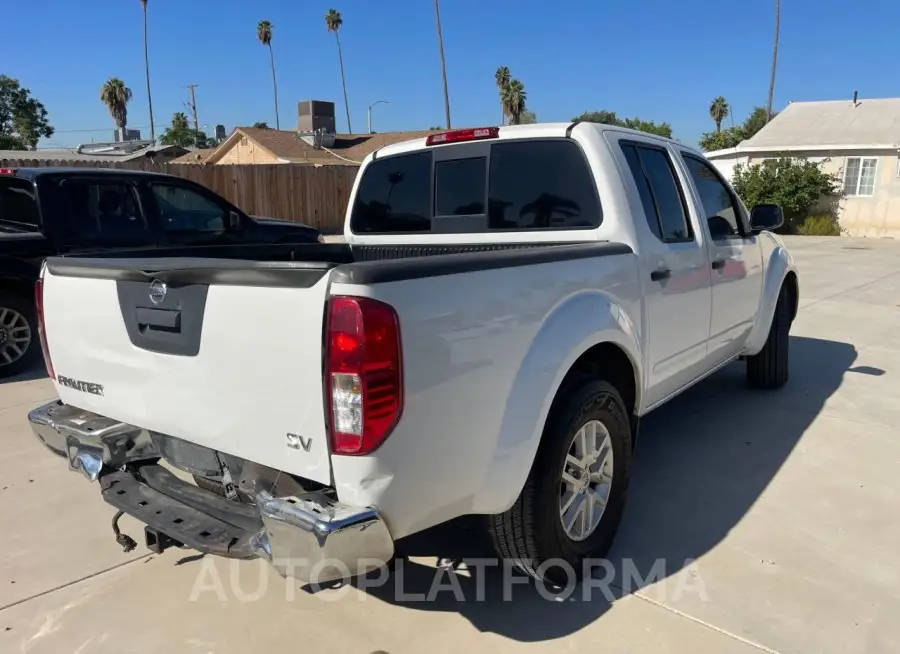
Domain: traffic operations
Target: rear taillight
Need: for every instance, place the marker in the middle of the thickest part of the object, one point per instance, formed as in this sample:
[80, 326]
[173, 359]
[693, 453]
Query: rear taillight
[42, 330]
[363, 373]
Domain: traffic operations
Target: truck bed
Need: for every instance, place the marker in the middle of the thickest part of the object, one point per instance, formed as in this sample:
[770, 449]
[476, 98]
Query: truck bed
[229, 353]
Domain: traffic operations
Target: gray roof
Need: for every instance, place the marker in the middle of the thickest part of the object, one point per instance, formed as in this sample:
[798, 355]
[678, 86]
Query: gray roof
[870, 122]
[72, 155]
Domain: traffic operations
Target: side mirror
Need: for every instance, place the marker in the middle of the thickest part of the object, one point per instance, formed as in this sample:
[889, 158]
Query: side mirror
[766, 217]
[234, 221]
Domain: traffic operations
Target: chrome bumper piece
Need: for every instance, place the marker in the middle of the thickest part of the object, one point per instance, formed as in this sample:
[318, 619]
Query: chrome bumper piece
[306, 536]
[315, 539]
[89, 441]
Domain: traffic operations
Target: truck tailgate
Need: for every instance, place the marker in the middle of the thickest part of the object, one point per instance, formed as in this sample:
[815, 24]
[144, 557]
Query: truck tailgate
[222, 353]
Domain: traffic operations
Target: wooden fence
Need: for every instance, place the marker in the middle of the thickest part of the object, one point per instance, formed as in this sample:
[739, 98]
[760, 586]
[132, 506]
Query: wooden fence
[296, 192]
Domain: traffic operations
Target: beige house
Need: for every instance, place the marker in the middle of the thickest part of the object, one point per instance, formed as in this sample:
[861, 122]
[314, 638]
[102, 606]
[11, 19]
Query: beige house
[859, 140]
[255, 145]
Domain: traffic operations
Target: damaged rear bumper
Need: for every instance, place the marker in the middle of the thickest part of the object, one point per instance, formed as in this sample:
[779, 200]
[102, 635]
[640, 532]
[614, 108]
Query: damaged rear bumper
[308, 536]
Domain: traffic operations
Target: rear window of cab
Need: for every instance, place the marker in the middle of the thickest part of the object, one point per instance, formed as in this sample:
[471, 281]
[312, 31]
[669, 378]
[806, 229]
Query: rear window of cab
[478, 187]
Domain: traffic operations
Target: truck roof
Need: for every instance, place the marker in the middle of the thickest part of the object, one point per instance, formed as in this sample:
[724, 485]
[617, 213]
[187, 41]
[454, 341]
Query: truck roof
[536, 130]
[35, 173]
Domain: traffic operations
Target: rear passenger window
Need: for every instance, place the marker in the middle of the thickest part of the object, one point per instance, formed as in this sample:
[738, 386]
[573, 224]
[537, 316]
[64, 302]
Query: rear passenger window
[541, 185]
[18, 207]
[661, 194]
[394, 196]
[107, 211]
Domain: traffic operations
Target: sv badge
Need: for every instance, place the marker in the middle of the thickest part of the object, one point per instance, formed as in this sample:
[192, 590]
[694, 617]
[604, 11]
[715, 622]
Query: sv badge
[298, 442]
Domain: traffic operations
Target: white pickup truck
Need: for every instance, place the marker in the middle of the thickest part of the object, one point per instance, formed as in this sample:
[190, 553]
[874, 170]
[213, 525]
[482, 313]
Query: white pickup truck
[507, 305]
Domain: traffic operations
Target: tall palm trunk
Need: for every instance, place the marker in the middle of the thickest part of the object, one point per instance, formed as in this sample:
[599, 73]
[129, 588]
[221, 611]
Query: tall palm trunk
[343, 80]
[147, 74]
[440, 37]
[774, 61]
[274, 86]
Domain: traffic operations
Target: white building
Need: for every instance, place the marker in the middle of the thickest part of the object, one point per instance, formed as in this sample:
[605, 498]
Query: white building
[859, 139]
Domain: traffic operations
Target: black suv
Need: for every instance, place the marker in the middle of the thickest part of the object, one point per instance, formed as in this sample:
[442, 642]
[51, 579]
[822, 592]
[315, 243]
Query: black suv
[59, 211]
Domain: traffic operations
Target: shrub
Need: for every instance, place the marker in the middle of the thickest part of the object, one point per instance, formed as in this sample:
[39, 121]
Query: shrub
[822, 225]
[795, 183]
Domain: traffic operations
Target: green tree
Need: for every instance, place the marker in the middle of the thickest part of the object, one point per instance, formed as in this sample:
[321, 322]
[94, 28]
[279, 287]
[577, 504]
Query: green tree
[181, 133]
[527, 117]
[732, 136]
[755, 122]
[333, 22]
[23, 119]
[604, 117]
[726, 138]
[147, 72]
[264, 36]
[501, 79]
[610, 118]
[261, 125]
[116, 96]
[660, 129]
[514, 97]
[718, 111]
[440, 40]
[796, 184]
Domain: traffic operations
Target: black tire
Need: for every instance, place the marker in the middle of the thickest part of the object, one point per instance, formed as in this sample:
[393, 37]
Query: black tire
[530, 533]
[768, 369]
[31, 356]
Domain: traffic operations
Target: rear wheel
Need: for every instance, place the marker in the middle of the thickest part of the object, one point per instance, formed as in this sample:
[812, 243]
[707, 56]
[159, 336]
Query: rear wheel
[768, 369]
[19, 347]
[571, 505]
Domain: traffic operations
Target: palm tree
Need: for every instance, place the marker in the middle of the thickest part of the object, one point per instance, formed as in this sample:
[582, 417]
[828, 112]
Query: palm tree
[147, 71]
[115, 95]
[440, 38]
[774, 60]
[264, 34]
[333, 22]
[718, 111]
[502, 77]
[514, 97]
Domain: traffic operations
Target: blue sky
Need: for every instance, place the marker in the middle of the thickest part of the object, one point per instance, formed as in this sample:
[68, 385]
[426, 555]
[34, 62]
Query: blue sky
[657, 59]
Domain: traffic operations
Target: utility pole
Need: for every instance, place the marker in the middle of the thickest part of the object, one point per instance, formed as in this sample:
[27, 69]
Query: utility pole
[193, 105]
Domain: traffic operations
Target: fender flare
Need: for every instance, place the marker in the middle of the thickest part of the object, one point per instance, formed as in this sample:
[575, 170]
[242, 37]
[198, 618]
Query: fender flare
[575, 325]
[779, 268]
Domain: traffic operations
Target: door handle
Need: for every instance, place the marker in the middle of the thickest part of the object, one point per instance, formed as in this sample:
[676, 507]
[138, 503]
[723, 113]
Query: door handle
[718, 264]
[659, 275]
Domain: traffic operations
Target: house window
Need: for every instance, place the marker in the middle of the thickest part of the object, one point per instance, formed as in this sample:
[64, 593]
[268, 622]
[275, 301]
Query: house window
[859, 175]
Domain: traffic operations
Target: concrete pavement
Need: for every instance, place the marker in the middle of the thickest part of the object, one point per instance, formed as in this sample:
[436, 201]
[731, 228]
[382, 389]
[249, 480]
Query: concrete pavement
[760, 522]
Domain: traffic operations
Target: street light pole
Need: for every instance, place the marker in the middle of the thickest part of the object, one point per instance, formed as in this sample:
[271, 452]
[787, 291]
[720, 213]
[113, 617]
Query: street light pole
[370, 111]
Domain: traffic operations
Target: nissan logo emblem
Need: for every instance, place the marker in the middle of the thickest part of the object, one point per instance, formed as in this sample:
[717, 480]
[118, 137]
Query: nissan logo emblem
[157, 291]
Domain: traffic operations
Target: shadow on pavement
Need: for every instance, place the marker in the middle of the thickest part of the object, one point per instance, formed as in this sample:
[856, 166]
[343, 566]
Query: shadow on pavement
[37, 371]
[701, 463]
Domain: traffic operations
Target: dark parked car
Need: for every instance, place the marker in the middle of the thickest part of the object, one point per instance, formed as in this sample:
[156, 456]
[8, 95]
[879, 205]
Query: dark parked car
[58, 211]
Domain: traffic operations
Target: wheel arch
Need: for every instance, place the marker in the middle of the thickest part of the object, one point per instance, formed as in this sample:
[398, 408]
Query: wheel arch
[780, 271]
[589, 334]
